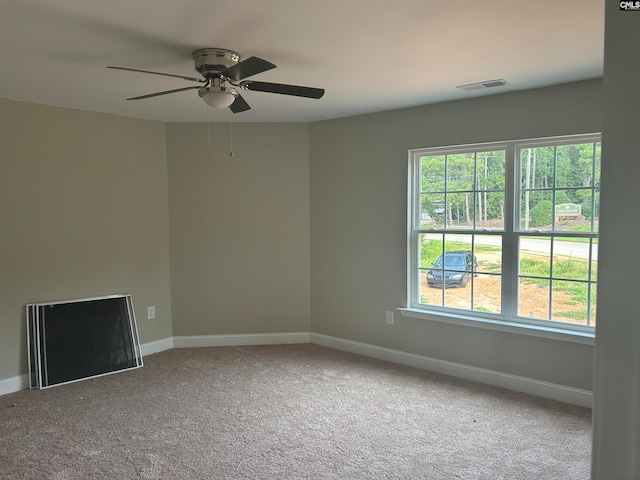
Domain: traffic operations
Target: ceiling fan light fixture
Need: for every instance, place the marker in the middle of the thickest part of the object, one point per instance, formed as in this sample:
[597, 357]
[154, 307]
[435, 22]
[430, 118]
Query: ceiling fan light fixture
[218, 97]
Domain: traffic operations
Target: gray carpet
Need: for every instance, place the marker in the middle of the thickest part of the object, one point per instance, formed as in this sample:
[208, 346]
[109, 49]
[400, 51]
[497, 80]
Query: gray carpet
[287, 412]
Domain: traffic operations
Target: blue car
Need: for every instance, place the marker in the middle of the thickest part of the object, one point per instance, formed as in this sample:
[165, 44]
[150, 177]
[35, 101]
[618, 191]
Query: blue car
[452, 269]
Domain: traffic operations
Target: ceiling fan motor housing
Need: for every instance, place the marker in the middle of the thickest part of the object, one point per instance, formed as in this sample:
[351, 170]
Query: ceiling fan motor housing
[211, 61]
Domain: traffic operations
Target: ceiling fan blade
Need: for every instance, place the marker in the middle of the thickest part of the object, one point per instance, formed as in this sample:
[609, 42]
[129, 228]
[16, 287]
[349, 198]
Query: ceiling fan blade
[239, 105]
[192, 79]
[295, 90]
[166, 92]
[246, 68]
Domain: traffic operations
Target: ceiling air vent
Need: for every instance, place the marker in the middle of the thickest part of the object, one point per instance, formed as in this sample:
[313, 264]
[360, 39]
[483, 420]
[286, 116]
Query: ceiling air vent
[480, 85]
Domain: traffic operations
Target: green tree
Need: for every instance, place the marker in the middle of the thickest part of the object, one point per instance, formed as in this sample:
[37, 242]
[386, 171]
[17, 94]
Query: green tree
[542, 214]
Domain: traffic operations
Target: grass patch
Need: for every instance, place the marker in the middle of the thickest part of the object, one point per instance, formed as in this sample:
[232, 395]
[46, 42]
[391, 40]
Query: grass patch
[577, 315]
[566, 268]
[570, 268]
[576, 228]
[487, 248]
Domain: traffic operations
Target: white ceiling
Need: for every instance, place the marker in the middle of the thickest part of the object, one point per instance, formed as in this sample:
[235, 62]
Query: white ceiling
[369, 55]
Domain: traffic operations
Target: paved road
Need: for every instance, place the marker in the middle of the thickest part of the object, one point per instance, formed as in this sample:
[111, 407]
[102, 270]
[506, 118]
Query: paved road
[573, 249]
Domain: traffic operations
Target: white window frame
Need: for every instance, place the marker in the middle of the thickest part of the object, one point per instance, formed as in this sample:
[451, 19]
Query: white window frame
[507, 320]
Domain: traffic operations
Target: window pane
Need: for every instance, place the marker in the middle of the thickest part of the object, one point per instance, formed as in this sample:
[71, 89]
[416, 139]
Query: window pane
[574, 165]
[490, 210]
[458, 298]
[490, 170]
[592, 311]
[430, 249]
[487, 283]
[432, 210]
[430, 295]
[460, 172]
[570, 301]
[535, 270]
[596, 174]
[432, 173]
[458, 243]
[460, 208]
[536, 210]
[537, 167]
[571, 258]
[535, 256]
[490, 182]
[571, 205]
[533, 298]
[487, 296]
[488, 252]
[594, 259]
[593, 212]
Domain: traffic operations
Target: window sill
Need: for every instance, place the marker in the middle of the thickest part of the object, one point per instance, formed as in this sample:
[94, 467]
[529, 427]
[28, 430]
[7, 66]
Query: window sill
[565, 335]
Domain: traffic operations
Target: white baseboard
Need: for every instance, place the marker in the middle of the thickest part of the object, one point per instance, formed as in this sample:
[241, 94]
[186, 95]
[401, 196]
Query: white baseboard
[539, 388]
[241, 339]
[553, 391]
[13, 384]
[21, 382]
[157, 346]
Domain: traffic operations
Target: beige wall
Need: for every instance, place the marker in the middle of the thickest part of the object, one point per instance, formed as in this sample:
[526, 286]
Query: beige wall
[239, 228]
[358, 225]
[83, 212]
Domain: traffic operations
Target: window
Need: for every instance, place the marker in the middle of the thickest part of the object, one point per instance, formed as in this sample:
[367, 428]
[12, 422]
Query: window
[506, 231]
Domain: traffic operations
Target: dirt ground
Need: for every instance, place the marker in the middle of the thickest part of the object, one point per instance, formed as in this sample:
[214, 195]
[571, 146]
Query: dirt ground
[486, 292]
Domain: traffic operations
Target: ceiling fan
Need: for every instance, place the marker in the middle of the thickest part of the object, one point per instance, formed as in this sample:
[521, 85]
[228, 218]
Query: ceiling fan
[223, 77]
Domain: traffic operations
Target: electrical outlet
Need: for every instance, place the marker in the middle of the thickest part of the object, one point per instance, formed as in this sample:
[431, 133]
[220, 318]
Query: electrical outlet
[151, 313]
[390, 320]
